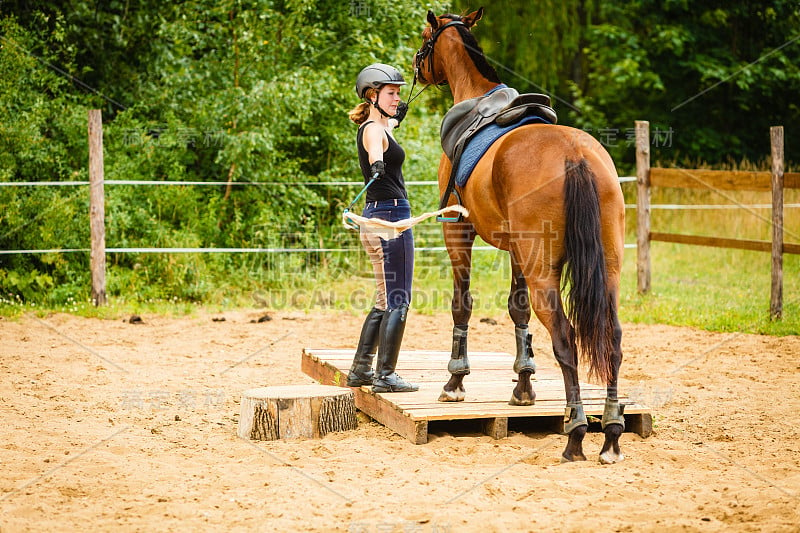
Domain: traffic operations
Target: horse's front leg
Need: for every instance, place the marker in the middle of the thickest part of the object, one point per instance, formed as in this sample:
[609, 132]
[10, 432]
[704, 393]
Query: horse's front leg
[519, 309]
[613, 421]
[458, 238]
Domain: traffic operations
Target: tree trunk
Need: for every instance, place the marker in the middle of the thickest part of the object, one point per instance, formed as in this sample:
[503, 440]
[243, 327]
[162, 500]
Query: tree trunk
[296, 411]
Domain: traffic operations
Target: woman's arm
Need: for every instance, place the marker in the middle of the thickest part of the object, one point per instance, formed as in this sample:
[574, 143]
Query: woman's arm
[375, 143]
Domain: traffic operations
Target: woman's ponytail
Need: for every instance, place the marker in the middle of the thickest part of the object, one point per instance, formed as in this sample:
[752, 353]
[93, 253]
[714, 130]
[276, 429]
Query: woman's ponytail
[360, 113]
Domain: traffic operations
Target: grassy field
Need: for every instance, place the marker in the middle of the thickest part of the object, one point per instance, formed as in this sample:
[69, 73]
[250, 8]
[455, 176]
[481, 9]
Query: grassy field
[711, 288]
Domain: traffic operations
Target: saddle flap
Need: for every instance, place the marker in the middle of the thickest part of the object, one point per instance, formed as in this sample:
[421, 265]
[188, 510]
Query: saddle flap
[452, 123]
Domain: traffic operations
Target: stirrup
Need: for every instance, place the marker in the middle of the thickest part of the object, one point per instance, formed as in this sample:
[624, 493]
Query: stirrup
[459, 218]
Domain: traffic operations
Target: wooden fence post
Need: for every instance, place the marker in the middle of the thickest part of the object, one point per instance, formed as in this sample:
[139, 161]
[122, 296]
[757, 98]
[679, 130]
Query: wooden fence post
[97, 208]
[643, 206]
[776, 294]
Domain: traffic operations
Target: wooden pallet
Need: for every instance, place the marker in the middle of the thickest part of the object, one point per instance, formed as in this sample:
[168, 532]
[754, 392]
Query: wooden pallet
[488, 389]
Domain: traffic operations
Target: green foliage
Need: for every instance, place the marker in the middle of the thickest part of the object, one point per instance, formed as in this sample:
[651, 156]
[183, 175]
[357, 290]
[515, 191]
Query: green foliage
[712, 77]
[255, 94]
[238, 92]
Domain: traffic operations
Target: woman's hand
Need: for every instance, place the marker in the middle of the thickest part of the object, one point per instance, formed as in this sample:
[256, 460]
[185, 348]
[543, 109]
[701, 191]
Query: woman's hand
[377, 170]
[402, 109]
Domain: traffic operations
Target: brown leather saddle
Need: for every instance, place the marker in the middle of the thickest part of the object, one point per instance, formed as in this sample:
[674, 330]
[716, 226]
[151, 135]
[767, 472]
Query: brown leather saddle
[503, 106]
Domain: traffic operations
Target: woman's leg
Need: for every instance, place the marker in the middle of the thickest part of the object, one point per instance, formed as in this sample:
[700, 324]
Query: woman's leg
[398, 268]
[361, 369]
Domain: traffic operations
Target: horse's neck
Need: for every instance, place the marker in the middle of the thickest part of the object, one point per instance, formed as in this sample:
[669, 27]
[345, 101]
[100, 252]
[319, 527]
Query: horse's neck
[465, 93]
[465, 80]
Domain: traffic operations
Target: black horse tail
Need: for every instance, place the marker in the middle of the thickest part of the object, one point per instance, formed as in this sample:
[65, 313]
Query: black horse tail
[590, 306]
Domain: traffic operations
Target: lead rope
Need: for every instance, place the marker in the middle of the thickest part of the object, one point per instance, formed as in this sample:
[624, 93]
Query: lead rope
[349, 207]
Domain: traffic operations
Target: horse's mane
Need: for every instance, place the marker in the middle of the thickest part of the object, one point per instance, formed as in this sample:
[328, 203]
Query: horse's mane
[475, 51]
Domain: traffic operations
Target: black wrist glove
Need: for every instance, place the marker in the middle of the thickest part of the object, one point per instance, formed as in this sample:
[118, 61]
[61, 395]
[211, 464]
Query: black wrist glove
[402, 109]
[377, 170]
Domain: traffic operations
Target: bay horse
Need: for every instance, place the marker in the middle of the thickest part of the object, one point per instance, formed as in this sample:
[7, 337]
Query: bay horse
[550, 196]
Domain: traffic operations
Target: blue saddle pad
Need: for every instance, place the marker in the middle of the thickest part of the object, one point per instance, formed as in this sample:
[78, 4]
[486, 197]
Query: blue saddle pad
[481, 142]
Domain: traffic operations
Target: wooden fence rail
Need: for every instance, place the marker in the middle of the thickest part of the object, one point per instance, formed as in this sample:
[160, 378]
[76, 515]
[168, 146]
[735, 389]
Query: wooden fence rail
[718, 180]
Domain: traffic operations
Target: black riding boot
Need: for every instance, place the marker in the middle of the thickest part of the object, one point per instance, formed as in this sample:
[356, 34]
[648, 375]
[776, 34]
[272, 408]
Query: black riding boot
[361, 371]
[392, 329]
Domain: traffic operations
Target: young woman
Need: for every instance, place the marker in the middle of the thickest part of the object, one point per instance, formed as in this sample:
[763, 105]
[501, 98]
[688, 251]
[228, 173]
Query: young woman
[381, 156]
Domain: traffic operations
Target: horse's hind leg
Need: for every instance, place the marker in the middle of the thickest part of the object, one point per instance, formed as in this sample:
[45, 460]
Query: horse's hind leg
[613, 420]
[548, 308]
[519, 308]
[458, 238]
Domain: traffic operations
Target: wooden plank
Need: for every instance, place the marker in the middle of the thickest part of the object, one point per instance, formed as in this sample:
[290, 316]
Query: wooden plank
[487, 408]
[497, 428]
[324, 373]
[790, 248]
[730, 180]
[382, 410]
[371, 404]
[641, 423]
[408, 414]
[718, 242]
[467, 411]
[741, 180]
[346, 353]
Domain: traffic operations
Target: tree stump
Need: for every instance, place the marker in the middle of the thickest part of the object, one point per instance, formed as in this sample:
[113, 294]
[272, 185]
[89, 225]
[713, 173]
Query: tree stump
[295, 411]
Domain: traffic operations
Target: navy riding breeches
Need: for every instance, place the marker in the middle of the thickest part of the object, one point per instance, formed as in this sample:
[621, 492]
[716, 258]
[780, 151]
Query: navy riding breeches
[392, 260]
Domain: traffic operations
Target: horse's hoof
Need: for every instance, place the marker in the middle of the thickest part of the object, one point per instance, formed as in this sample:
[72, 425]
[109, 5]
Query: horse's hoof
[572, 458]
[526, 399]
[457, 395]
[610, 458]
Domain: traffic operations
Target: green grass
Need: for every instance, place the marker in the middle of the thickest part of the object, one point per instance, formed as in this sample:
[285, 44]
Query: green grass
[711, 288]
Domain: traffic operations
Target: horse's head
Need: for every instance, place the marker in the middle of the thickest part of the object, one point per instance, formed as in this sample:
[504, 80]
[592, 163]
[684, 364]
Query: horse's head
[428, 67]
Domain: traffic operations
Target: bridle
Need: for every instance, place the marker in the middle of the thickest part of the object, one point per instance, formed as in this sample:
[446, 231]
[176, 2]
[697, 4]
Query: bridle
[427, 51]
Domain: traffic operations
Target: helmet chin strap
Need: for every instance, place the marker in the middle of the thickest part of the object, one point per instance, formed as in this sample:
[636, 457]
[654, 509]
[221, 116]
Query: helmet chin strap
[384, 113]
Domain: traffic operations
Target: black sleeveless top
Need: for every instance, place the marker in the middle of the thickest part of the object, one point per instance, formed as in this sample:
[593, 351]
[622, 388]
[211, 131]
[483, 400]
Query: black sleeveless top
[392, 185]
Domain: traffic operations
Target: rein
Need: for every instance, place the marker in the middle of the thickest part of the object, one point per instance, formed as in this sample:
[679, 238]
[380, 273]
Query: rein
[422, 54]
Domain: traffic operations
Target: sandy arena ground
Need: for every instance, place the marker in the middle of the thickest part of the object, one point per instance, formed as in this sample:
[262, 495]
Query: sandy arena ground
[108, 426]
